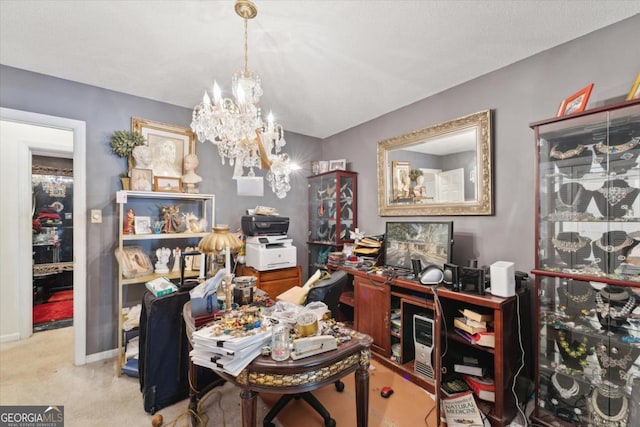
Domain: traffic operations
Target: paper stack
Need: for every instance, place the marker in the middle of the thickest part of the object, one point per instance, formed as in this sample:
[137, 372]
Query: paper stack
[227, 353]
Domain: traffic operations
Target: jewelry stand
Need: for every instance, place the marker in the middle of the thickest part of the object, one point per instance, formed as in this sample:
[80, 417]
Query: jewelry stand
[622, 153]
[577, 299]
[572, 248]
[609, 407]
[615, 198]
[572, 197]
[571, 158]
[574, 350]
[610, 250]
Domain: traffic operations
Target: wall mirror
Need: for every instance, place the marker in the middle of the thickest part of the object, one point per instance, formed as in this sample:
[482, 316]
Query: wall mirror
[444, 169]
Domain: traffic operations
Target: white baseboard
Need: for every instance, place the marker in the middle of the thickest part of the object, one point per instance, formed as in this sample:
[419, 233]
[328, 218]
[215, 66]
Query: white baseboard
[10, 337]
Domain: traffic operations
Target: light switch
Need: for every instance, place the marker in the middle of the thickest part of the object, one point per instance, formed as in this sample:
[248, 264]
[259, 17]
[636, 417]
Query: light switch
[96, 216]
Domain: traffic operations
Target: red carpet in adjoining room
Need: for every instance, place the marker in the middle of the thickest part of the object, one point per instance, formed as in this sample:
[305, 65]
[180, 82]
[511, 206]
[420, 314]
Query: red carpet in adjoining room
[52, 311]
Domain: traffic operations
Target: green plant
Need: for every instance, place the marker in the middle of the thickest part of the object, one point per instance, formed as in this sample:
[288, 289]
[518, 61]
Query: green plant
[415, 173]
[123, 142]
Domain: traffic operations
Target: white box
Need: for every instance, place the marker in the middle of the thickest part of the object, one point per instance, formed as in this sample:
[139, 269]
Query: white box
[503, 280]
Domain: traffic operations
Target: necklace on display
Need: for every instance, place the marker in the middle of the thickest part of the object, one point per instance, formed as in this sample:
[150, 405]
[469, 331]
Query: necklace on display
[577, 353]
[603, 148]
[565, 393]
[570, 246]
[562, 155]
[579, 298]
[603, 419]
[607, 361]
[614, 248]
[615, 195]
[575, 199]
[614, 296]
[608, 311]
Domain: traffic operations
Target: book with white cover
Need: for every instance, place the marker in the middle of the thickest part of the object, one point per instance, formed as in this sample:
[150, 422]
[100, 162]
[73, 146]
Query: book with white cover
[231, 365]
[207, 337]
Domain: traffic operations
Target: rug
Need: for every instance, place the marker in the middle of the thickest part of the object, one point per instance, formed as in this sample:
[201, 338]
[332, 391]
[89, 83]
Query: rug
[52, 311]
[408, 405]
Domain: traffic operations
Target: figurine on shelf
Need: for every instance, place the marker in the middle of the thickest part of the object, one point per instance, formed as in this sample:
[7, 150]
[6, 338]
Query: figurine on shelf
[190, 178]
[163, 255]
[142, 156]
[171, 217]
[129, 222]
[177, 253]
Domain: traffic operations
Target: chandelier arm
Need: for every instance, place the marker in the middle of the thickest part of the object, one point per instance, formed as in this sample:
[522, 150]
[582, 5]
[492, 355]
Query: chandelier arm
[265, 162]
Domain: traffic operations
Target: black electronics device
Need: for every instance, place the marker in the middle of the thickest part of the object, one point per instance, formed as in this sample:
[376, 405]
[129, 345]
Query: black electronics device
[450, 276]
[472, 280]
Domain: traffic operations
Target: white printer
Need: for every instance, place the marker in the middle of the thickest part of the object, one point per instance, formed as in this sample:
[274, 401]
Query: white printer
[268, 247]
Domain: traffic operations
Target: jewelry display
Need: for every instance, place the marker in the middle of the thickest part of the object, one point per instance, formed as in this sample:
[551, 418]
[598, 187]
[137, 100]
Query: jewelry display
[607, 361]
[603, 148]
[610, 250]
[572, 197]
[614, 293]
[565, 393]
[555, 152]
[582, 298]
[608, 310]
[609, 407]
[572, 248]
[573, 354]
[614, 198]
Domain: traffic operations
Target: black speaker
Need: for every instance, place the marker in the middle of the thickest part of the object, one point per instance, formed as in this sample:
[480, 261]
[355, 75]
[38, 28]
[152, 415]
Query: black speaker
[472, 280]
[450, 276]
[417, 268]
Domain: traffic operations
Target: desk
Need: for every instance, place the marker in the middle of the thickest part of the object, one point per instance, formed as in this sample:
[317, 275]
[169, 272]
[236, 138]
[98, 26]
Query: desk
[297, 376]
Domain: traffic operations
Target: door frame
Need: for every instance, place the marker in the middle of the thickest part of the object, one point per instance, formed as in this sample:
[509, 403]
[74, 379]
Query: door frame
[77, 149]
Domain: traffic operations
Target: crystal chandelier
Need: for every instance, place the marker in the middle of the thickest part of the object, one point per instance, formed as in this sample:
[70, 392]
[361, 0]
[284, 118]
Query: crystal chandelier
[236, 127]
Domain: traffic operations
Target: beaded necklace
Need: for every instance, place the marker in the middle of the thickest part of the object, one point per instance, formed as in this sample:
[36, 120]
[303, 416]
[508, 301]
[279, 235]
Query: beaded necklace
[603, 419]
[611, 248]
[601, 147]
[615, 195]
[570, 246]
[608, 311]
[565, 393]
[577, 353]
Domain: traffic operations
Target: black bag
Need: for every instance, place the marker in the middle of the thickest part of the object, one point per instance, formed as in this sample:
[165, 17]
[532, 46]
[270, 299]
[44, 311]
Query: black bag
[163, 363]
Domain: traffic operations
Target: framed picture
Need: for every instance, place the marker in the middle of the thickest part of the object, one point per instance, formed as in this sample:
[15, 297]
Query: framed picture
[142, 224]
[169, 145]
[167, 184]
[401, 183]
[141, 179]
[338, 165]
[135, 261]
[576, 102]
[324, 166]
[315, 167]
[634, 93]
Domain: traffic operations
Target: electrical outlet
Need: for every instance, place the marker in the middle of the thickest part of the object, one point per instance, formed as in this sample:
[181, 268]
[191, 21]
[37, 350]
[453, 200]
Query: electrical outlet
[96, 216]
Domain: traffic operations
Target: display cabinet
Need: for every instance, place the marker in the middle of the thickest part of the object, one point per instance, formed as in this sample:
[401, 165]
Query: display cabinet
[333, 214]
[154, 225]
[587, 268]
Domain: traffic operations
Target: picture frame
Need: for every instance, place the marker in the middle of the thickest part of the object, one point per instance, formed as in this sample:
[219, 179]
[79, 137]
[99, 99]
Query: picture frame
[340, 164]
[135, 261]
[142, 224]
[401, 183]
[634, 93]
[167, 184]
[315, 167]
[141, 179]
[575, 103]
[169, 145]
[324, 166]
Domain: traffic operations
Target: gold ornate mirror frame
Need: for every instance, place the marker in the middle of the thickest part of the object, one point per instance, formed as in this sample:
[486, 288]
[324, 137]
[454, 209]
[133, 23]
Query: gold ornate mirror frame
[454, 160]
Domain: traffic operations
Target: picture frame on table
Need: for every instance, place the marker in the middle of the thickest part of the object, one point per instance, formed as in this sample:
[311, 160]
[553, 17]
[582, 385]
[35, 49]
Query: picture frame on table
[634, 93]
[142, 224]
[141, 179]
[401, 183]
[340, 164]
[324, 166]
[169, 145]
[576, 103]
[167, 184]
[315, 167]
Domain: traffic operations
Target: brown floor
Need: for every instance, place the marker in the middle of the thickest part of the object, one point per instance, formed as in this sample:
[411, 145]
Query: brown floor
[409, 405]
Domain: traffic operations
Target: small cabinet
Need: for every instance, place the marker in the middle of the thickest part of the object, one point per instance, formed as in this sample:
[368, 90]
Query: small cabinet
[187, 219]
[587, 268]
[333, 215]
[373, 312]
[273, 282]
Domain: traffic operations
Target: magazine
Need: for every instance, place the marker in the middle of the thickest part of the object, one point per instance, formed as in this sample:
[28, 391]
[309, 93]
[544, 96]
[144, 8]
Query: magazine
[461, 410]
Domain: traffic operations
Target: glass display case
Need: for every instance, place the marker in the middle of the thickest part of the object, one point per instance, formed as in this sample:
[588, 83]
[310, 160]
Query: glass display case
[588, 268]
[333, 214]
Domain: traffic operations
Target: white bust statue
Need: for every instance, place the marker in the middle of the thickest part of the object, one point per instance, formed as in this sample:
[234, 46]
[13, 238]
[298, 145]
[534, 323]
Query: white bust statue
[190, 178]
[142, 156]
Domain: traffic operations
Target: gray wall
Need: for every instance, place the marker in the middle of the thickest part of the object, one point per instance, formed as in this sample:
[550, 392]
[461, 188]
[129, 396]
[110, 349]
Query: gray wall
[105, 111]
[519, 94]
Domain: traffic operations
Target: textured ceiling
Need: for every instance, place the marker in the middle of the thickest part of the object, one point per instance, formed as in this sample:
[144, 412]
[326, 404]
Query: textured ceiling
[325, 66]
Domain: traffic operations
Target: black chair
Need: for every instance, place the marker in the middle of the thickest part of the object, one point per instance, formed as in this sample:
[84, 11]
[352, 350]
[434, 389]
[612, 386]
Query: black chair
[327, 291]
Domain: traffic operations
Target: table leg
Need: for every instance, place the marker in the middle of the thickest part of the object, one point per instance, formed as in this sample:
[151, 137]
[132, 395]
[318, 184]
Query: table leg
[249, 407]
[362, 395]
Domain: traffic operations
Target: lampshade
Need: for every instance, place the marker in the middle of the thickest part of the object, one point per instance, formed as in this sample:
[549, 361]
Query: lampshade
[218, 240]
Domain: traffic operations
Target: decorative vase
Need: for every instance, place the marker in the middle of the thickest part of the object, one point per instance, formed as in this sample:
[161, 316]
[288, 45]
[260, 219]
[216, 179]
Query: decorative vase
[125, 183]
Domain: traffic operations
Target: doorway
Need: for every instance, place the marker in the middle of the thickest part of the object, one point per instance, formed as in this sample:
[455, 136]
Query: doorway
[52, 219]
[23, 135]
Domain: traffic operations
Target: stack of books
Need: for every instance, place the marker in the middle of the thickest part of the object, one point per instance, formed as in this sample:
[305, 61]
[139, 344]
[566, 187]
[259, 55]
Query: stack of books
[227, 353]
[470, 366]
[483, 387]
[368, 248]
[336, 258]
[475, 328]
